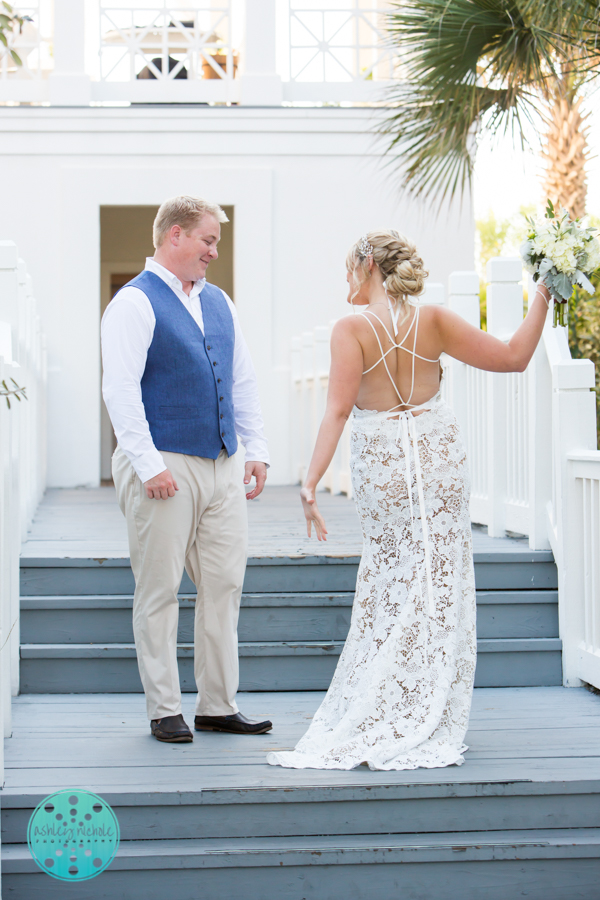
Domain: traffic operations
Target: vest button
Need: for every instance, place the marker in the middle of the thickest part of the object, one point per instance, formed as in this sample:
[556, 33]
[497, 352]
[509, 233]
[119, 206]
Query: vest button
[215, 362]
[220, 398]
[208, 346]
[222, 415]
[218, 381]
[222, 434]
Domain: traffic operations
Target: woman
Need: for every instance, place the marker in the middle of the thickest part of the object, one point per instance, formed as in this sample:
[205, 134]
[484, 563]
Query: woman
[401, 694]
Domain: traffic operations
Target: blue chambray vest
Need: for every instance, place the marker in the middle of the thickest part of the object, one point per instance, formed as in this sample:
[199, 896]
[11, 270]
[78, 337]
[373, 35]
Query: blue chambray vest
[188, 380]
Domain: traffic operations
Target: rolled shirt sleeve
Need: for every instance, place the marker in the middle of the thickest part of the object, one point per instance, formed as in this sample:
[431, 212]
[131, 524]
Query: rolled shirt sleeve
[127, 331]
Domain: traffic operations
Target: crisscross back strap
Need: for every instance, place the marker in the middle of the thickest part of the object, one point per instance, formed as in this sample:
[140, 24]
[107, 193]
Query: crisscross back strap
[383, 356]
[397, 346]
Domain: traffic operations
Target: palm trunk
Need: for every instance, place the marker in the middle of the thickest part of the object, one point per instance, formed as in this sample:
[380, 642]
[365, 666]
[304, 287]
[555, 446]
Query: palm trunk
[566, 151]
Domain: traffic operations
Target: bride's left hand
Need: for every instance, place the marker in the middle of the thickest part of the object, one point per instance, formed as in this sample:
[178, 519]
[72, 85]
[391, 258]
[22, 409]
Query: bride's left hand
[313, 516]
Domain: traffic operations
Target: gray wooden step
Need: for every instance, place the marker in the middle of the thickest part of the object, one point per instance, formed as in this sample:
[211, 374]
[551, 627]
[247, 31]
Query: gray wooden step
[561, 864]
[265, 665]
[276, 804]
[521, 817]
[77, 635]
[521, 569]
[309, 616]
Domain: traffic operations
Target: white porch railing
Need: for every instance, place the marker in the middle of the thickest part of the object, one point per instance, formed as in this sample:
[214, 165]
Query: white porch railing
[148, 54]
[253, 52]
[340, 51]
[22, 450]
[531, 445]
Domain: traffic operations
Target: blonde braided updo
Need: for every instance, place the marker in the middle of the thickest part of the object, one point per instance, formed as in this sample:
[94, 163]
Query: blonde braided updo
[401, 266]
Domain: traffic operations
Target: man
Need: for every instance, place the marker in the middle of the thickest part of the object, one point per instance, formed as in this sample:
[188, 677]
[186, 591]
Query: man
[179, 387]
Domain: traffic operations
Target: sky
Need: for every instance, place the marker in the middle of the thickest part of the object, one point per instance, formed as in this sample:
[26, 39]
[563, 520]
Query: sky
[507, 177]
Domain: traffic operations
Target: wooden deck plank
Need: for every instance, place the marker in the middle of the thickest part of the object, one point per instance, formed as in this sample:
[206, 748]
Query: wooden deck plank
[88, 522]
[523, 733]
[548, 775]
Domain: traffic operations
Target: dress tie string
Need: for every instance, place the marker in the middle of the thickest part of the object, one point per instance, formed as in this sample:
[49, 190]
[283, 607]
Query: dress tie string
[407, 433]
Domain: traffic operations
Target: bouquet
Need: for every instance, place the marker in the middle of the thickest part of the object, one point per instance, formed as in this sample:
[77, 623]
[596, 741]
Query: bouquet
[563, 254]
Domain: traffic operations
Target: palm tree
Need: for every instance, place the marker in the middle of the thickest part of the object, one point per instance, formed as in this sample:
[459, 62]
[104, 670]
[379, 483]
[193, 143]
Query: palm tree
[498, 65]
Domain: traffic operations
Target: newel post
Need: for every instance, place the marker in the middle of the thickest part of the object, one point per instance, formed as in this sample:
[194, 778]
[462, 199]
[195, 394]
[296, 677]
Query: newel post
[573, 430]
[260, 85]
[504, 315]
[463, 298]
[68, 84]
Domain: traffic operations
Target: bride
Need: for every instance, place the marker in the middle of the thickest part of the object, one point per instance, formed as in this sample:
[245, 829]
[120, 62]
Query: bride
[401, 693]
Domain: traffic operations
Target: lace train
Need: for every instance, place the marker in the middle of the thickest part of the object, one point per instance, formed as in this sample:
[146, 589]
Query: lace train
[401, 693]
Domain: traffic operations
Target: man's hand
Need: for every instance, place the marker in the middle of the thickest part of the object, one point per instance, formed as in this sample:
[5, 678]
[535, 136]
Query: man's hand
[259, 470]
[161, 486]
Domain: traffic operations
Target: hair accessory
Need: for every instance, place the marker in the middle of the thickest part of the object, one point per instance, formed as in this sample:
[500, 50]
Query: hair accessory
[364, 247]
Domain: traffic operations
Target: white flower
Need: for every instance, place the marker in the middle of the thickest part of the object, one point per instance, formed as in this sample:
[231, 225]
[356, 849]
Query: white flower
[592, 249]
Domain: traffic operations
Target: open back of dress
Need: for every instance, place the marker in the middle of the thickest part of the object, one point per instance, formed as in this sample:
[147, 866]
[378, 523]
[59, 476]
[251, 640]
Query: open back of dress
[398, 345]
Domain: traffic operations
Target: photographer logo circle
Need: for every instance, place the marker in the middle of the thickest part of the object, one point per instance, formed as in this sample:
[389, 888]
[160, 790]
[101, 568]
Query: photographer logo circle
[73, 835]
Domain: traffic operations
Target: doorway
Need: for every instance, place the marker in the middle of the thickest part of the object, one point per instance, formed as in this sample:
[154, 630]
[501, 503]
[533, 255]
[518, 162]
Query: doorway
[125, 242]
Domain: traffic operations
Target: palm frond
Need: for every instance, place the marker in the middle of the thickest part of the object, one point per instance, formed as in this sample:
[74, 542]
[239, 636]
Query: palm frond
[433, 136]
[467, 62]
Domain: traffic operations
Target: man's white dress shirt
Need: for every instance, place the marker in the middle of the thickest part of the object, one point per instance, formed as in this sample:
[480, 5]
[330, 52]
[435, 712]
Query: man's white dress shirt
[127, 331]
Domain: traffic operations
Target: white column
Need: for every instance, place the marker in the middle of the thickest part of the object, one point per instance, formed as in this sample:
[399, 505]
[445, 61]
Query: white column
[504, 315]
[308, 398]
[296, 408]
[9, 308]
[68, 84]
[5, 548]
[12, 282]
[322, 364]
[260, 85]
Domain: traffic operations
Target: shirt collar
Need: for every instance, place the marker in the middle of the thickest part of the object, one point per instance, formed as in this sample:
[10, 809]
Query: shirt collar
[172, 280]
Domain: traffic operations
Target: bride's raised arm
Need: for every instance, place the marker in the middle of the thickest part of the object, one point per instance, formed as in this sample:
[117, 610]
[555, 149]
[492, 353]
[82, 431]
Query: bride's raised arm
[484, 351]
[344, 381]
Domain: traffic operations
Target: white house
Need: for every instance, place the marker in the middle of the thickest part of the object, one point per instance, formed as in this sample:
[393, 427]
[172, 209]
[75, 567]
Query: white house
[268, 107]
[274, 119]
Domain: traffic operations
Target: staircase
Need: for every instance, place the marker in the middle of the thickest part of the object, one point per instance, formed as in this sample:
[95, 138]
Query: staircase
[77, 635]
[211, 820]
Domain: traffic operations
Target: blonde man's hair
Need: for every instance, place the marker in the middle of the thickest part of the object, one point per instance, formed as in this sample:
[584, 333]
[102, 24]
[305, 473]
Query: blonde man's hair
[186, 212]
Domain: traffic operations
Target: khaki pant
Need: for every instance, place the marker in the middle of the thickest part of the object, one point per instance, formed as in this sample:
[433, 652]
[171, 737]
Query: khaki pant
[204, 529]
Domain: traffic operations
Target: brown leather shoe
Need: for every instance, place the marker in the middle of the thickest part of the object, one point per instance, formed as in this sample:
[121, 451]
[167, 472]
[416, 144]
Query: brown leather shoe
[236, 724]
[171, 729]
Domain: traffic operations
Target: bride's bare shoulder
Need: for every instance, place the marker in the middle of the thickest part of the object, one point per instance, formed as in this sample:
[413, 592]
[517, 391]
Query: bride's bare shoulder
[434, 315]
[349, 326]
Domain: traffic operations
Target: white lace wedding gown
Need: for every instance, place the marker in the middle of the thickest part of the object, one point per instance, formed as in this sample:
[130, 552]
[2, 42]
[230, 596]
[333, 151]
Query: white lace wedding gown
[401, 693]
